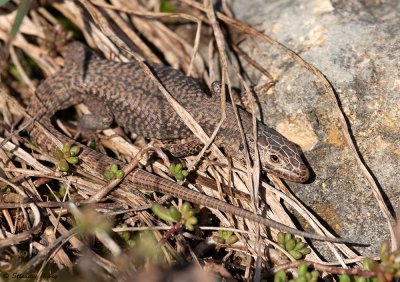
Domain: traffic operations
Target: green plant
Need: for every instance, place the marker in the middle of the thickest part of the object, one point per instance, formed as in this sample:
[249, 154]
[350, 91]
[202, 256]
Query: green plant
[226, 237]
[295, 247]
[386, 270]
[113, 173]
[68, 155]
[178, 172]
[185, 217]
[303, 275]
[166, 7]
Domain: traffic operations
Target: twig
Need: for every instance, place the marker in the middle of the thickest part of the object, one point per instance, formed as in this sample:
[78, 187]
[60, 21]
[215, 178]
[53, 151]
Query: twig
[114, 183]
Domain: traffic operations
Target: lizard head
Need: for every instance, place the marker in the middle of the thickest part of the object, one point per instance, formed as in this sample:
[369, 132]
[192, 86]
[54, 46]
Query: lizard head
[281, 157]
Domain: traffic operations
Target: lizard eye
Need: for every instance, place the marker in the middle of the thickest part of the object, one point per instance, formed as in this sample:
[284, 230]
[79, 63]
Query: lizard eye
[274, 159]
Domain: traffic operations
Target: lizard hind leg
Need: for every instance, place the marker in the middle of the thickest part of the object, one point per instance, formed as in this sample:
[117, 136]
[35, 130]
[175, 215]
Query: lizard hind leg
[184, 147]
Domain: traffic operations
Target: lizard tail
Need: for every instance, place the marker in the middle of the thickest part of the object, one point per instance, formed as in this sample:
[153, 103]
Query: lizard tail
[94, 161]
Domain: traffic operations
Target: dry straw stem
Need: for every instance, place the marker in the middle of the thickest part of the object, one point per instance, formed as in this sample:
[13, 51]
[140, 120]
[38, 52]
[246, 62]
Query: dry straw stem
[114, 183]
[25, 235]
[335, 99]
[329, 269]
[289, 198]
[48, 251]
[152, 15]
[251, 172]
[219, 38]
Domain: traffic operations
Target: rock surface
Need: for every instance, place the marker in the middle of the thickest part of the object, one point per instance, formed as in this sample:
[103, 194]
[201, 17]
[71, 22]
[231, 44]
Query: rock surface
[356, 45]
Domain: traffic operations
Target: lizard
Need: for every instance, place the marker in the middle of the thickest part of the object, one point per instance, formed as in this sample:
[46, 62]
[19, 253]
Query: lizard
[121, 92]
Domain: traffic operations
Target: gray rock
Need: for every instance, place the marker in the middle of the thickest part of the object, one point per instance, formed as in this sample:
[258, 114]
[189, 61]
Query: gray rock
[356, 45]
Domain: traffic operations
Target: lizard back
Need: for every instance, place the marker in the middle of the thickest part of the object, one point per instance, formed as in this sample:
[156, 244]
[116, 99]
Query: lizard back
[132, 97]
[135, 102]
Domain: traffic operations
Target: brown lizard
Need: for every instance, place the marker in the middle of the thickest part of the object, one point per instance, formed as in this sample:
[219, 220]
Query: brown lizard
[121, 92]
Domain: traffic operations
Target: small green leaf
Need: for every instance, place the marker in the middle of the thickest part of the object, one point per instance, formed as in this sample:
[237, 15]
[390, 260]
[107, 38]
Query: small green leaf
[389, 269]
[369, 264]
[231, 239]
[59, 154]
[186, 207]
[281, 239]
[75, 150]
[119, 174]
[187, 210]
[290, 244]
[302, 269]
[299, 245]
[225, 233]
[66, 147]
[178, 168]
[304, 251]
[62, 191]
[174, 213]
[384, 251]
[315, 274]
[114, 168]
[124, 235]
[344, 278]
[109, 175]
[163, 213]
[301, 279]
[72, 160]
[280, 276]
[295, 254]
[166, 7]
[288, 237]
[190, 222]
[14, 71]
[63, 165]
[172, 168]
[219, 240]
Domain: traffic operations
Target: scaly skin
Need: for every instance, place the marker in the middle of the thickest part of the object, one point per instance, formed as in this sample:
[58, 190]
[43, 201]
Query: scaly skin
[122, 92]
[87, 78]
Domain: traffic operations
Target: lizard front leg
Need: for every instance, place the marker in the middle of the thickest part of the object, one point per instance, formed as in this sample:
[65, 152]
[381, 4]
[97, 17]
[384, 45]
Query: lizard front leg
[101, 116]
[185, 147]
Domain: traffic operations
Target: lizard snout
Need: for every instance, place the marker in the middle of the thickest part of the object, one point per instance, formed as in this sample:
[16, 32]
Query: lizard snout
[304, 174]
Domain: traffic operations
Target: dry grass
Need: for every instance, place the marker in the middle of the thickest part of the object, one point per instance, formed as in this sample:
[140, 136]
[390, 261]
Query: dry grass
[42, 239]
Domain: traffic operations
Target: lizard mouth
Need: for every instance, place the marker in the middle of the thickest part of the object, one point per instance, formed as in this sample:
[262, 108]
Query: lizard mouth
[301, 174]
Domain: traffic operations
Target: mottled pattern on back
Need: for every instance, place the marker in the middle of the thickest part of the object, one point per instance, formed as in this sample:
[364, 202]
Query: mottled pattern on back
[133, 98]
[125, 91]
